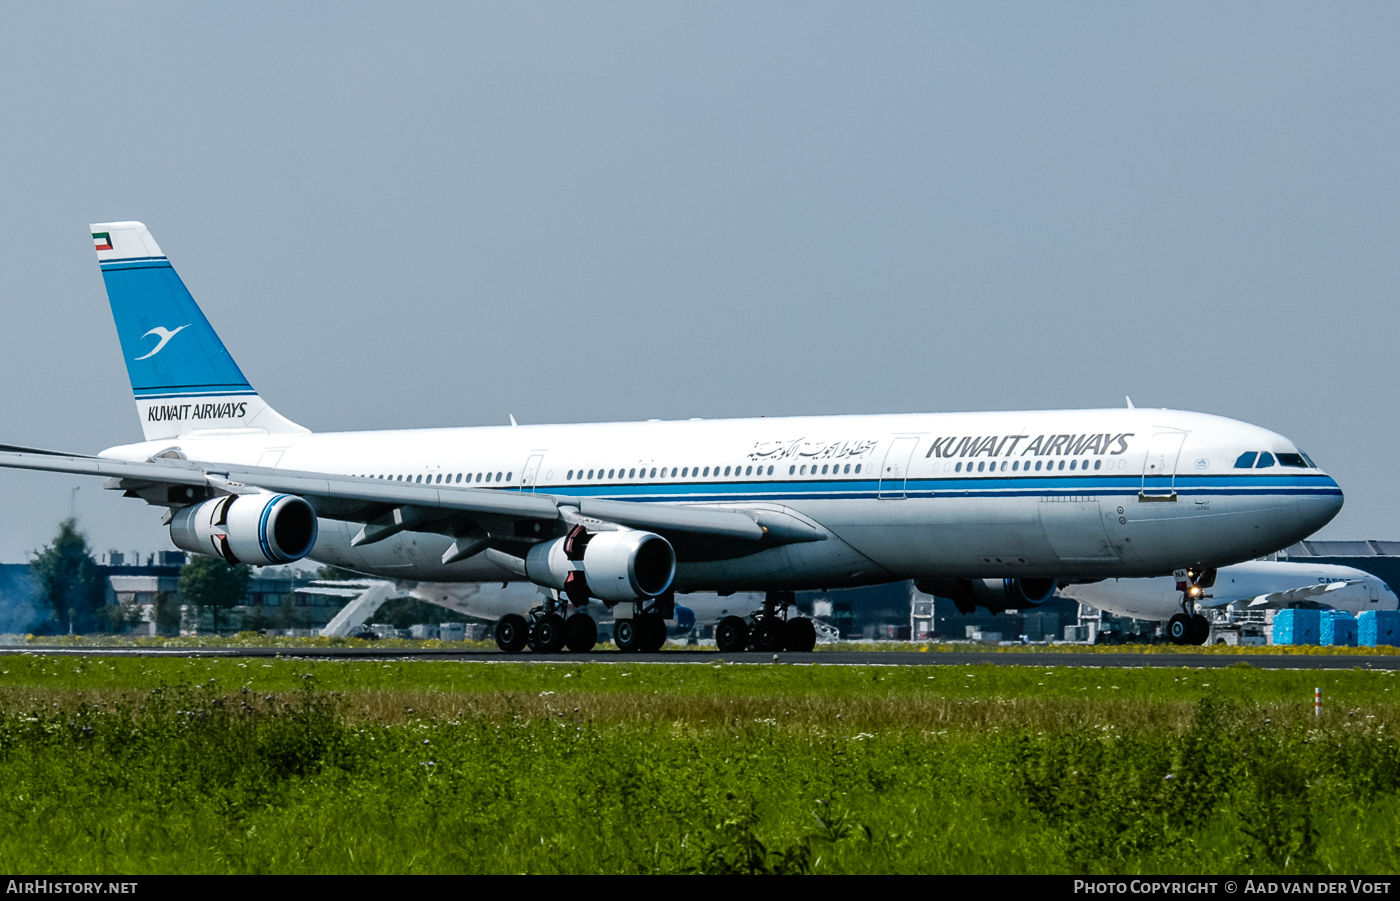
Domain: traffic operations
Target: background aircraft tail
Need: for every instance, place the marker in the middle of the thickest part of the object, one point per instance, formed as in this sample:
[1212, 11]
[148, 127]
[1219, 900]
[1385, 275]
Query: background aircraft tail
[184, 380]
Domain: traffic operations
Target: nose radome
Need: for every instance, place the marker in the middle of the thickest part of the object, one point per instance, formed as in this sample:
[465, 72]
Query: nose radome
[1317, 510]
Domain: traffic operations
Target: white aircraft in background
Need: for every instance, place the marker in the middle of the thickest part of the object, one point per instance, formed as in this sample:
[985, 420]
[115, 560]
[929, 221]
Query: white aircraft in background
[628, 514]
[1257, 585]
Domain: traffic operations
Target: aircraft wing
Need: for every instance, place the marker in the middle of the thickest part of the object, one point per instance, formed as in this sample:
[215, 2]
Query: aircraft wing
[1302, 593]
[385, 507]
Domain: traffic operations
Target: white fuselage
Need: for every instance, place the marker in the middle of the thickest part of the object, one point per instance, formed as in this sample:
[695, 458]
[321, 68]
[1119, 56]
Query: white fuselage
[1236, 586]
[1066, 494]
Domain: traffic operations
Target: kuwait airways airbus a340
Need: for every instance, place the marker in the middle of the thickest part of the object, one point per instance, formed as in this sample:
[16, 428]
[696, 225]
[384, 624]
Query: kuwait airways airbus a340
[999, 506]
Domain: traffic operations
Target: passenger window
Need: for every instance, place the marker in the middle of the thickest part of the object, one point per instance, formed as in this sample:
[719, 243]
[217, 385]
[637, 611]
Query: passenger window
[1292, 460]
[957, 468]
[748, 470]
[1097, 464]
[726, 470]
[804, 471]
[610, 473]
[632, 474]
[1062, 465]
[1015, 465]
[980, 466]
[792, 470]
[1246, 460]
[770, 470]
[1072, 464]
[1037, 466]
[1266, 460]
[857, 467]
[1003, 466]
[673, 472]
[823, 469]
[706, 472]
[508, 475]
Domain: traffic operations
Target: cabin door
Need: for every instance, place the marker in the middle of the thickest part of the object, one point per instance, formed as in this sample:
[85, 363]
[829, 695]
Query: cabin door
[532, 473]
[1159, 469]
[895, 469]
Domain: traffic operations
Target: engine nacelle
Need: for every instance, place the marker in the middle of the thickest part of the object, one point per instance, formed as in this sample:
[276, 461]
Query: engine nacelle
[260, 529]
[996, 595]
[625, 565]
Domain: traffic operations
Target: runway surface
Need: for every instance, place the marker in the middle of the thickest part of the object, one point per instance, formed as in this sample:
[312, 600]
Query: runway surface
[823, 658]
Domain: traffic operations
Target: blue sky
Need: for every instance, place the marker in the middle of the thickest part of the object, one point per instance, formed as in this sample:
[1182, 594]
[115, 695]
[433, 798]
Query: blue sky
[441, 214]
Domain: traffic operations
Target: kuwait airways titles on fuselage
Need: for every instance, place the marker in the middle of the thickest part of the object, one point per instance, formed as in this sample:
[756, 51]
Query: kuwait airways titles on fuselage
[1042, 446]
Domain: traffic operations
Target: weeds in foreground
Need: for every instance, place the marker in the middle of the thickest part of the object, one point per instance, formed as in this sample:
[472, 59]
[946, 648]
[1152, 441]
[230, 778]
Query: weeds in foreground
[189, 777]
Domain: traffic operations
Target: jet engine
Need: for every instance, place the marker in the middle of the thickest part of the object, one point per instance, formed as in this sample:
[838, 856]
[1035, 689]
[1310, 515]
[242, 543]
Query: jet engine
[624, 565]
[996, 595]
[260, 529]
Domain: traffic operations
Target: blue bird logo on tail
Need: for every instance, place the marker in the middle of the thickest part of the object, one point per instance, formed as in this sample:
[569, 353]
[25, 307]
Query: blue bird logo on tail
[165, 336]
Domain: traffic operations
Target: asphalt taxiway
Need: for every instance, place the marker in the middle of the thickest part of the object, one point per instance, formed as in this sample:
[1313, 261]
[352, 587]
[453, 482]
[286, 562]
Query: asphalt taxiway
[823, 658]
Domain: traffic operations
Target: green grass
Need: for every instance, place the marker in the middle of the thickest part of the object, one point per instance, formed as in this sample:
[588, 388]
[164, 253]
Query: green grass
[222, 765]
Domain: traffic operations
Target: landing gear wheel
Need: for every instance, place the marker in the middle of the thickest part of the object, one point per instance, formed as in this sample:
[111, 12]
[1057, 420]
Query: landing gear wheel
[1179, 629]
[581, 633]
[799, 635]
[550, 633]
[653, 631]
[1200, 629]
[768, 635]
[512, 632]
[732, 634]
[628, 634]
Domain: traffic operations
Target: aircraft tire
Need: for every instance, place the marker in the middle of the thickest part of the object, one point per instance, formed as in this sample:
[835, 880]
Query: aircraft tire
[512, 632]
[768, 635]
[1179, 629]
[732, 634]
[1200, 629]
[550, 634]
[653, 632]
[799, 635]
[627, 634]
[581, 633]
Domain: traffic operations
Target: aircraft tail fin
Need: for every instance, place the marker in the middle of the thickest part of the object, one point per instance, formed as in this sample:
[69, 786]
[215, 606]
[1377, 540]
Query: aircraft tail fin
[184, 379]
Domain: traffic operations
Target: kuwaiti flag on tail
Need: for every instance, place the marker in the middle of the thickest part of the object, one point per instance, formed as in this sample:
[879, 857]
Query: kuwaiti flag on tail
[103, 240]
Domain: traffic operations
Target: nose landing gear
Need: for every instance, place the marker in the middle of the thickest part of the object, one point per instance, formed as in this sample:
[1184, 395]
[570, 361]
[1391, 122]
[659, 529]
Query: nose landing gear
[1188, 626]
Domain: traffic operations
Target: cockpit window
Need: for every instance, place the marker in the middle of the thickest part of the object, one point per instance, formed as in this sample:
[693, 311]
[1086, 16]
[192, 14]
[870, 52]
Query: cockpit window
[1292, 460]
[1309, 460]
[1246, 460]
[1266, 460]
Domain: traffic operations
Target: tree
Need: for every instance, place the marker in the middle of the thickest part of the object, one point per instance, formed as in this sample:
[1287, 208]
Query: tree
[211, 584]
[69, 582]
[165, 614]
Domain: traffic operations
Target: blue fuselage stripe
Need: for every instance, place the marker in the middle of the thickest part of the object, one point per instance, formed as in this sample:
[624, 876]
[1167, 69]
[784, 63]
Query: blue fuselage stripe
[1098, 486]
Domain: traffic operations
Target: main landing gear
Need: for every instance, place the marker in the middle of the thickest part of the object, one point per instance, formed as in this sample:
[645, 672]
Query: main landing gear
[545, 629]
[769, 629]
[1188, 626]
[641, 625]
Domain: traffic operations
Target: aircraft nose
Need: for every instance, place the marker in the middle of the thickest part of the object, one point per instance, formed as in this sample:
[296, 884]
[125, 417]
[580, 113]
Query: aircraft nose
[1321, 507]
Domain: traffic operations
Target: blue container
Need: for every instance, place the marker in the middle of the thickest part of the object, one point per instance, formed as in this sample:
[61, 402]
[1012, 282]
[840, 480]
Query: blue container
[1297, 626]
[1378, 627]
[1337, 627]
